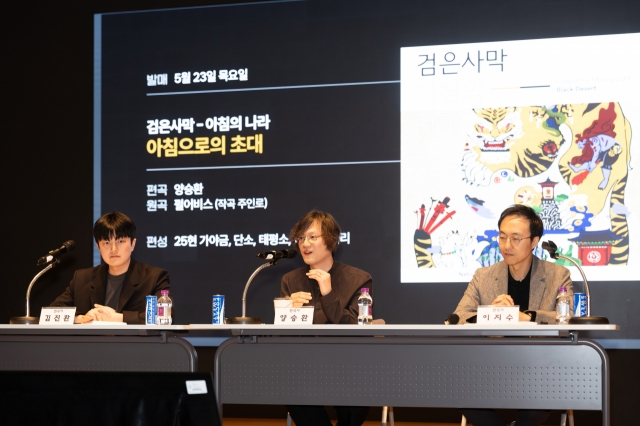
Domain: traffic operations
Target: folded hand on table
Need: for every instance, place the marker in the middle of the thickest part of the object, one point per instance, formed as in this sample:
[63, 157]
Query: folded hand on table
[104, 313]
[300, 298]
[506, 300]
[82, 319]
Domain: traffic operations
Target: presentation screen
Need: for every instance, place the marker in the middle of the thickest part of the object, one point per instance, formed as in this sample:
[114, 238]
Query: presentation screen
[487, 125]
[217, 128]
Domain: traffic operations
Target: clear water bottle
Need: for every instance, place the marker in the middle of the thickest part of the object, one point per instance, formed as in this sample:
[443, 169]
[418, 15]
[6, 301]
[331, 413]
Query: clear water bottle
[164, 309]
[364, 307]
[563, 306]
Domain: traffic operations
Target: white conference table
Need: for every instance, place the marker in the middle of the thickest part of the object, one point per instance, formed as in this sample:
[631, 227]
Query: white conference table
[473, 366]
[523, 366]
[105, 347]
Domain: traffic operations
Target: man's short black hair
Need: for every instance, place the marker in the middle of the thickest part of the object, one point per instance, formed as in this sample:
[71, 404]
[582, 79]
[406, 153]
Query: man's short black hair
[536, 227]
[114, 225]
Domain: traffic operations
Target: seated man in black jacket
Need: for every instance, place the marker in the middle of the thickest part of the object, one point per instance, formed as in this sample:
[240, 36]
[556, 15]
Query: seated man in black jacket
[116, 290]
[333, 289]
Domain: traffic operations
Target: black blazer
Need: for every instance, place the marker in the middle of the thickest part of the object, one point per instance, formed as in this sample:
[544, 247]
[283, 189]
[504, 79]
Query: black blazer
[89, 286]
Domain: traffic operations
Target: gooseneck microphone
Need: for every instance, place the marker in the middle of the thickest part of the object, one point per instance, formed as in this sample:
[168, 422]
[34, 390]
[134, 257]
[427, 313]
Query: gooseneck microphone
[551, 247]
[452, 319]
[53, 254]
[50, 261]
[278, 254]
[272, 256]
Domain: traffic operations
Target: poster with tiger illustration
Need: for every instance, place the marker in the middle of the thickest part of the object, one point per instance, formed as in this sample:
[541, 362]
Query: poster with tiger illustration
[546, 123]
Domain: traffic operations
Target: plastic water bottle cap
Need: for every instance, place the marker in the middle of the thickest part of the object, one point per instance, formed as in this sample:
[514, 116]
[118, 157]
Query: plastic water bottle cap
[562, 289]
[364, 290]
[164, 292]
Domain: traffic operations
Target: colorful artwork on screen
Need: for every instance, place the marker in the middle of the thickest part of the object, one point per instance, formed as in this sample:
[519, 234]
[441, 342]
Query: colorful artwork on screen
[517, 145]
[563, 147]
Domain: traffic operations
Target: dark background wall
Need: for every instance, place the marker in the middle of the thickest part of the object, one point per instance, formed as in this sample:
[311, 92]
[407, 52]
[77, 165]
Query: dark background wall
[47, 94]
[47, 90]
[47, 162]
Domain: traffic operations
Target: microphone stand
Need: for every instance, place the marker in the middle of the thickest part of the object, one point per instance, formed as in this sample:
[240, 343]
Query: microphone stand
[551, 247]
[29, 319]
[245, 319]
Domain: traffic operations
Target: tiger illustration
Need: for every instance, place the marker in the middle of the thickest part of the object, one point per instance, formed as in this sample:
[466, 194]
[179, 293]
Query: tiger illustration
[528, 141]
[524, 140]
[427, 224]
[596, 165]
[421, 246]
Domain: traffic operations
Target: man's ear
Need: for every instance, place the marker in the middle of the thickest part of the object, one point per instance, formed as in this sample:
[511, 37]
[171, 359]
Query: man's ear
[133, 243]
[534, 242]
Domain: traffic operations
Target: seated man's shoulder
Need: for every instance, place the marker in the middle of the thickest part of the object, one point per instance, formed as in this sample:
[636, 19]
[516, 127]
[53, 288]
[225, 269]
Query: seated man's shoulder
[90, 272]
[552, 267]
[296, 272]
[146, 269]
[343, 268]
[492, 269]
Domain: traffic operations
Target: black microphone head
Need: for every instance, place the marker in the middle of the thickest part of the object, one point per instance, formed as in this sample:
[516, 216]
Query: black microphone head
[70, 245]
[267, 254]
[278, 254]
[551, 247]
[452, 319]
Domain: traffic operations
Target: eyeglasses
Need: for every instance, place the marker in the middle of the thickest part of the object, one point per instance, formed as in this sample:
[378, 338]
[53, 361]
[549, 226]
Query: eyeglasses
[515, 241]
[311, 238]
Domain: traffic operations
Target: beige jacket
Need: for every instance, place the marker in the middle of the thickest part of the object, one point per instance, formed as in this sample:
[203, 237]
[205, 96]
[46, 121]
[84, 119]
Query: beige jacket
[488, 283]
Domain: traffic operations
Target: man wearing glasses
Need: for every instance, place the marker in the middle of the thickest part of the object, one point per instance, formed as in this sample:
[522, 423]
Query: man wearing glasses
[333, 289]
[520, 279]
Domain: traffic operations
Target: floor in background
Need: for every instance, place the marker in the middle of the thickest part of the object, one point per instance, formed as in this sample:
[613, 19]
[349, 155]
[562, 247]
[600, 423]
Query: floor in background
[283, 422]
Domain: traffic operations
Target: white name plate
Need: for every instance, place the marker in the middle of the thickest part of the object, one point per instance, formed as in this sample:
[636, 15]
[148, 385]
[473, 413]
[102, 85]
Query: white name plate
[57, 315]
[300, 316]
[490, 314]
[196, 387]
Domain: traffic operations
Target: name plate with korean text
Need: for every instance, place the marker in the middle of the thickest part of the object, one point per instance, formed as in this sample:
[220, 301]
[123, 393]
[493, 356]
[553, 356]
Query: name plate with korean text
[490, 314]
[57, 315]
[291, 316]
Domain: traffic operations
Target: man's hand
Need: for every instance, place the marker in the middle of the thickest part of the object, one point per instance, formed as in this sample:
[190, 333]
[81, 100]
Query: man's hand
[522, 317]
[503, 300]
[82, 319]
[506, 300]
[104, 313]
[323, 278]
[300, 298]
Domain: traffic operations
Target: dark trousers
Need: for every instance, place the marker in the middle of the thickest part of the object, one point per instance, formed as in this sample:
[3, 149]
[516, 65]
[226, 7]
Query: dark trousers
[316, 415]
[481, 417]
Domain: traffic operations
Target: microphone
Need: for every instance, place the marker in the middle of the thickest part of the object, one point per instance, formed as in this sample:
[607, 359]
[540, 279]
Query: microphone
[278, 254]
[51, 260]
[66, 246]
[551, 247]
[272, 256]
[452, 319]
